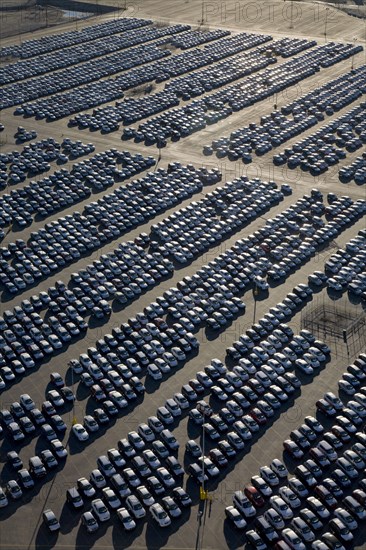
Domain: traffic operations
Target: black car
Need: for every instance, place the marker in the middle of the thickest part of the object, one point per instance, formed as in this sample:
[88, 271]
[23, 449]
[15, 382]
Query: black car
[14, 460]
[266, 530]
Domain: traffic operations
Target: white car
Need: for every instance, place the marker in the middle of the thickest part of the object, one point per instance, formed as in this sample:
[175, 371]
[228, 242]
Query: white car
[173, 407]
[111, 498]
[126, 519]
[100, 510]
[80, 432]
[181, 400]
[135, 507]
[345, 516]
[160, 515]
[155, 424]
[281, 507]
[98, 479]
[269, 476]
[165, 477]
[279, 468]
[151, 459]
[90, 423]
[146, 432]
[154, 372]
[289, 497]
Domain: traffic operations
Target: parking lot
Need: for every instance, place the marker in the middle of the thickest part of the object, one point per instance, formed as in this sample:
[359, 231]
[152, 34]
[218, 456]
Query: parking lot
[159, 208]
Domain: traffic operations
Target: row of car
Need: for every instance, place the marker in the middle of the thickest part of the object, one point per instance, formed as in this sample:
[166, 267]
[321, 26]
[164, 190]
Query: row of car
[27, 338]
[190, 231]
[49, 43]
[100, 222]
[89, 71]
[85, 97]
[344, 270]
[294, 118]
[329, 144]
[22, 135]
[64, 188]
[355, 171]
[353, 378]
[188, 285]
[322, 489]
[62, 58]
[191, 85]
[196, 37]
[35, 158]
[207, 289]
[183, 121]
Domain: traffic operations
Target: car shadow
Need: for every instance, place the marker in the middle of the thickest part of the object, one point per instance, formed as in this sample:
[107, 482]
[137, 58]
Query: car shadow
[45, 539]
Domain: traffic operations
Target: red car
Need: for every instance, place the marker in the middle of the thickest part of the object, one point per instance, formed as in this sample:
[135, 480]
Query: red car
[254, 496]
[258, 416]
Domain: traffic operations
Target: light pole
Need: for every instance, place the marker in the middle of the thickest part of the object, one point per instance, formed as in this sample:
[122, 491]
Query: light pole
[206, 413]
[255, 294]
[325, 24]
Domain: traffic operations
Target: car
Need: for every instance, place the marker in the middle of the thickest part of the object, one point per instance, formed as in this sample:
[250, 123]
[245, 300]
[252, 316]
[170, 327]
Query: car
[14, 460]
[340, 530]
[57, 379]
[333, 487]
[314, 424]
[100, 510]
[25, 479]
[27, 402]
[274, 518]
[90, 423]
[160, 515]
[181, 497]
[73, 497]
[330, 541]
[135, 440]
[48, 459]
[311, 519]
[85, 488]
[164, 415]
[169, 440]
[50, 520]
[97, 479]
[269, 476]
[347, 467]
[235, 517]
[80, 432]
[293, 539]
[281, 507]
[360, 494]
[262, 486]
[254, 496]
[58, 448]
[293, 449]
[345, 516]
[266, 530]
[354, 507]
[174, 467]
[297, 486]
[255, 540]
[325, 496]
[126, 519]
[243, 504]
[317, 507]
[279, 468]
[289, 497]
[13, 490]
[89, 522]
[110, 498]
